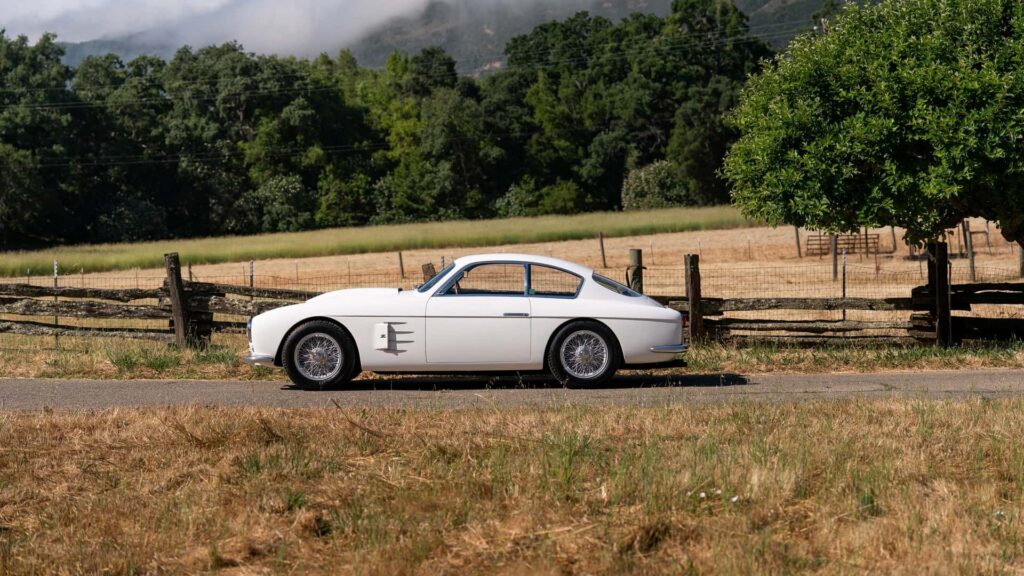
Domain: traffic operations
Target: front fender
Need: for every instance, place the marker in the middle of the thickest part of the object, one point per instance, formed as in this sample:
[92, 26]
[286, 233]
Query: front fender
[269, 329]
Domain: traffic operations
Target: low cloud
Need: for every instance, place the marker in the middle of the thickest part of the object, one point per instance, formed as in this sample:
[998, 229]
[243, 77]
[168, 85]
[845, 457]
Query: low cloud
[302, 27]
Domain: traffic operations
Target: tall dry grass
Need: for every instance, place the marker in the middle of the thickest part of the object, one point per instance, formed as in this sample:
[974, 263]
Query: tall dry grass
[899, 486]
[101, 257]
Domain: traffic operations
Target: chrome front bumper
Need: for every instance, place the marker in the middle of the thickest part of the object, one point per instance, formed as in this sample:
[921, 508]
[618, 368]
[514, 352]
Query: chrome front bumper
[258, 360]
[671, 349]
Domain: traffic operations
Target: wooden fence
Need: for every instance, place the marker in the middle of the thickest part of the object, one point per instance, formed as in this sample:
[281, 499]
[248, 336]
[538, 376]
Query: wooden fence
[930, 307]
[188, 313]
[186, 308]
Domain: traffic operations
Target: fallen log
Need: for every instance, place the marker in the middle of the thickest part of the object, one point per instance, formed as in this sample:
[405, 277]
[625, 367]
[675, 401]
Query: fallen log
[234, 307]
[27, 328]
[81, 309]
[811, 326]
[33, 291]
[713, 306]
[199, 288]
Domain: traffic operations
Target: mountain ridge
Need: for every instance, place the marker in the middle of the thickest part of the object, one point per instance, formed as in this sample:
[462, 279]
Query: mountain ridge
[475, 33]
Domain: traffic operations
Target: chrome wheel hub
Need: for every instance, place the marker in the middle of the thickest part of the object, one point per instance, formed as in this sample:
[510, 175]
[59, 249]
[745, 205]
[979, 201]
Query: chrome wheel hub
[318, 356]
[584, 354]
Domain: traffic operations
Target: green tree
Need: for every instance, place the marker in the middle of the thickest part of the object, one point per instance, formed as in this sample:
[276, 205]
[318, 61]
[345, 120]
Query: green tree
[35, 159]
[657, 185]
[905, 113]
[431, 69]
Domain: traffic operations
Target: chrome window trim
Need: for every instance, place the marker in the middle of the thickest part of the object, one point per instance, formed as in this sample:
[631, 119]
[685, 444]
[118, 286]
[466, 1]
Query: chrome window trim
[634, 294]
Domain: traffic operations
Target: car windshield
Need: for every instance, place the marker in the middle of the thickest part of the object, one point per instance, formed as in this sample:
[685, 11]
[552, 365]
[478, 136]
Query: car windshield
[437, 278]
[614, 286]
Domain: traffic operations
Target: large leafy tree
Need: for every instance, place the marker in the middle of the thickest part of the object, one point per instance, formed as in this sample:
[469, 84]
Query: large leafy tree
[34, 141]
[605, 98]
[906, 113]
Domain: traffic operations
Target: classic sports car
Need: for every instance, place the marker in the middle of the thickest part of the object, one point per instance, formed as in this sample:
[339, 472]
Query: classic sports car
[488, 313]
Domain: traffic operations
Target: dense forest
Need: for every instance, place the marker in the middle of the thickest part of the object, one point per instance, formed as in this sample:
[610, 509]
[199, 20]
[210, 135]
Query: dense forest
[587, 114]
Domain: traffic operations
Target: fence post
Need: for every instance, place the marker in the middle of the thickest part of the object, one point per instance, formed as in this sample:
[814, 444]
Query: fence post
[179, 300]
[401, 265]
[969, 246]
[635, 272]
[943, 335]
[1020, 259]
[844, 284]
[56, 319]
[696, 318]
[929, 253]
[799, 254]
[600, 240]
[834, 248]
[252, 281]
[428, 271]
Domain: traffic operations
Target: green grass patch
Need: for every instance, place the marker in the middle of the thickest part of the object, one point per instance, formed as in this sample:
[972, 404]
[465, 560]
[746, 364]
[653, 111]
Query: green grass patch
[104, 257]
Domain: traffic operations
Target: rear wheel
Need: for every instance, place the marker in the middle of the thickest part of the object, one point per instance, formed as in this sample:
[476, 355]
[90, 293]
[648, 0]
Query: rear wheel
[583, 353]
[319, 355]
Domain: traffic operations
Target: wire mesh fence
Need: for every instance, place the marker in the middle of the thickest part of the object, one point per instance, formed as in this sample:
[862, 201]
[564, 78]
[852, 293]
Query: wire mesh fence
[808, 280]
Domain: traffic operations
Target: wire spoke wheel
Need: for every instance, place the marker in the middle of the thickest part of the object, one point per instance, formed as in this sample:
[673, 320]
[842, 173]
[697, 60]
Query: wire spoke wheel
[318, 356]
[584, 354]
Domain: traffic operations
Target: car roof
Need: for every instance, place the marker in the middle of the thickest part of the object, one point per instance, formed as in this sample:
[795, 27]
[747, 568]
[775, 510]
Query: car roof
[530, 258]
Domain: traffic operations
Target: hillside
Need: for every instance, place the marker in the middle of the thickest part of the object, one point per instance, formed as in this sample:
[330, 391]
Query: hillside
[475, 32]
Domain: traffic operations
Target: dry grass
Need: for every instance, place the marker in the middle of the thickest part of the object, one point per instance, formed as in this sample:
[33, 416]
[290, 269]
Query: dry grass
[737, 262]
[35, 357]
[92, 258]
[895, 486]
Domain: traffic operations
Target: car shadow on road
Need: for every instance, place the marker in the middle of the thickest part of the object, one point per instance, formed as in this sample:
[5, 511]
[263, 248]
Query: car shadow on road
[536, 382]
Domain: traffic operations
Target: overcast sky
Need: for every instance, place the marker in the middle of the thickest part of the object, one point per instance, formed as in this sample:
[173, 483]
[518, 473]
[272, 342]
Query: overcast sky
[271, 26]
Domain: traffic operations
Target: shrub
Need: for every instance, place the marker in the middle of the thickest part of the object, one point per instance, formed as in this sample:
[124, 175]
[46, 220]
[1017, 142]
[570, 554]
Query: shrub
[657, 185]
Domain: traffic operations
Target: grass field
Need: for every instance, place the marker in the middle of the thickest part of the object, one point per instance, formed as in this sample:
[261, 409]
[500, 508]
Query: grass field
[97, 258]
[895, 486]
[34, 357]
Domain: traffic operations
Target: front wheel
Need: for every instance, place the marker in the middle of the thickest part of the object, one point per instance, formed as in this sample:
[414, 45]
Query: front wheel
[319, 355]
[583, 354]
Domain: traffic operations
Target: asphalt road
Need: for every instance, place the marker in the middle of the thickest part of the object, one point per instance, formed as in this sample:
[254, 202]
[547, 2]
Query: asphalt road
[437, 392]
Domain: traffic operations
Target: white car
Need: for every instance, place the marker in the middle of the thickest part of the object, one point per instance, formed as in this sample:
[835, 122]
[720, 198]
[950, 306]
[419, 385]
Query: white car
[487, 313]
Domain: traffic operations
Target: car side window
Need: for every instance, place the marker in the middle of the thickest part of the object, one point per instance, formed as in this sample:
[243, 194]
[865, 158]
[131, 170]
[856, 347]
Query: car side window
[497, 279]
[552, 282]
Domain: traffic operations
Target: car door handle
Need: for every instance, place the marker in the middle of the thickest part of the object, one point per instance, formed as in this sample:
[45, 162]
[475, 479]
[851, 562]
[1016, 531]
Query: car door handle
[517, 315]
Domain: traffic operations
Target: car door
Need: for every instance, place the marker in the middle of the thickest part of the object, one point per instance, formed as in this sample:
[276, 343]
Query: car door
[481, 316]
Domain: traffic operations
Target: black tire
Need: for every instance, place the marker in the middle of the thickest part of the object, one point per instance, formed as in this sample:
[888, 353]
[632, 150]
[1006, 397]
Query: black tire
[313, 333]
[574, 379]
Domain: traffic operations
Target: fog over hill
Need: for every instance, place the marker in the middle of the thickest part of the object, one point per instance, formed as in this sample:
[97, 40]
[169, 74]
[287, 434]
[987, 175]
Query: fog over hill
[474, 31]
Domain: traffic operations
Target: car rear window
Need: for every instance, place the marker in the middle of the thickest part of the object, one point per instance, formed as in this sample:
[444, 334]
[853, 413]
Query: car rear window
[614, 286]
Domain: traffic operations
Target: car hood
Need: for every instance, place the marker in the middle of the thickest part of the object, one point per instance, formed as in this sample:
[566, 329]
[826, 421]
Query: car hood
[355, 295]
